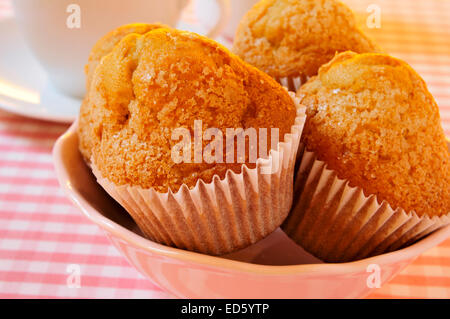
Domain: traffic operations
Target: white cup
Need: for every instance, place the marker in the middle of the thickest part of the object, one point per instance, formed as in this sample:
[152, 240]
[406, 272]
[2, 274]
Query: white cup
[61, 33]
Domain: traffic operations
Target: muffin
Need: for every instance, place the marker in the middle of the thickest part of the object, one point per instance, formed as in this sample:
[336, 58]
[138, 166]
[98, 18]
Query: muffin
[103, 47]
[291, 39]
[148, 88]
[376, 173]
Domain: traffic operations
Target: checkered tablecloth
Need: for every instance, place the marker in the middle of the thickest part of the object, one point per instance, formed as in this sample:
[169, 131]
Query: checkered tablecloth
[42, 234]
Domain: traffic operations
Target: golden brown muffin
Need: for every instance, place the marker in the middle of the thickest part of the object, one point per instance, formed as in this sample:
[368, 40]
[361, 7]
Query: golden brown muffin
[373, 121]
[107, 43]
[150, 85]
[291, 38]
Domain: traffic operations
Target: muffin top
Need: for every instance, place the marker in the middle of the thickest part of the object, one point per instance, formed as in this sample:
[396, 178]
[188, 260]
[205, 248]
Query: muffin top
[107, 43]
[371, 118]
[152, 84]
[289, 38]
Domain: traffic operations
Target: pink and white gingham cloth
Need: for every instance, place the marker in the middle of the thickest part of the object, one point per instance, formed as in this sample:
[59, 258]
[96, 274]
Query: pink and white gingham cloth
[42, 234]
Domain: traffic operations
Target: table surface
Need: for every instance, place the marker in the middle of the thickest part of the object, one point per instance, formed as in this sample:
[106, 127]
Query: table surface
[42, 233]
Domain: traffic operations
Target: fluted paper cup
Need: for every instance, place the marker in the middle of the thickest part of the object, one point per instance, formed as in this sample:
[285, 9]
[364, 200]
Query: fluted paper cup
[338, 223]
[222, 216]
[293, 83]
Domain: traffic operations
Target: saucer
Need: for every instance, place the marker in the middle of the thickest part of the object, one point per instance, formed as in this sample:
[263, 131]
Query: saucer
[24, 85]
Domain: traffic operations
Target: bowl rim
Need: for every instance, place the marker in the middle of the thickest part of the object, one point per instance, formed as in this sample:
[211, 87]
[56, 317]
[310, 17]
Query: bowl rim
[217, 262]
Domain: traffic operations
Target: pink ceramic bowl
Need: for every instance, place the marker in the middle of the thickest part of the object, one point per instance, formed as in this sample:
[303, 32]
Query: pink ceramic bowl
[273, 268]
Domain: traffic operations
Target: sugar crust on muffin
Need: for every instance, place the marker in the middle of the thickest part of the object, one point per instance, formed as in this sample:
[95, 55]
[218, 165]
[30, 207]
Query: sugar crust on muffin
[103, 47]
[107, 43]
[150, 84]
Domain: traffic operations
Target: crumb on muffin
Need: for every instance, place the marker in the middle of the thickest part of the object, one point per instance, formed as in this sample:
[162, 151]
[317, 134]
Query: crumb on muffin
[371, 118]
[150, 85]
[290, 38]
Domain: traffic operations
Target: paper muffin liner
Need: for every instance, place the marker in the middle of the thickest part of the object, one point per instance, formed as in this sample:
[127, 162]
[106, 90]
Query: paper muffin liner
[338, 223]
[293, 83]
[222, 216]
